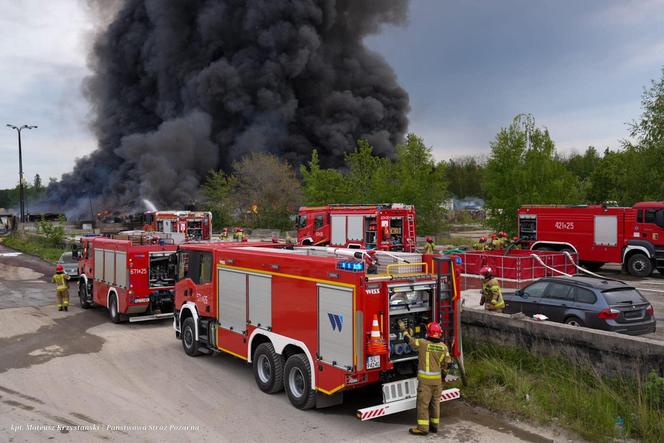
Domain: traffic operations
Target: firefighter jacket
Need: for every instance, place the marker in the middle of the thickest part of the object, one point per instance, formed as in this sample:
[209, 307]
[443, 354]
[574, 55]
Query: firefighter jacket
[60, 280]
[429, 248]
[492, 297]
[433, 357]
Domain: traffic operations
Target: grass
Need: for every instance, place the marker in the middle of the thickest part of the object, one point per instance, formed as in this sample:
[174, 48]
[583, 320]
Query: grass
[34, 245]
[553, 391]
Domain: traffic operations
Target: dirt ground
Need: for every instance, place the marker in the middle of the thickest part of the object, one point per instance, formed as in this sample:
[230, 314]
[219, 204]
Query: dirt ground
[74, 376]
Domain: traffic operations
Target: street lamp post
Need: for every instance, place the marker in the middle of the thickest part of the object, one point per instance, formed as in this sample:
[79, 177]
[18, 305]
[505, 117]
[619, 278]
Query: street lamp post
[20, 167]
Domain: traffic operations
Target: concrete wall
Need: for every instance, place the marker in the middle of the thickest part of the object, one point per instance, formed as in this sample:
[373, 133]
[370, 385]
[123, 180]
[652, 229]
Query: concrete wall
[608, 353]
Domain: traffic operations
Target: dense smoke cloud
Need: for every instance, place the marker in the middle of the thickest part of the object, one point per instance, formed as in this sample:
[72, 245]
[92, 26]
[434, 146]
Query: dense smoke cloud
[180, 87]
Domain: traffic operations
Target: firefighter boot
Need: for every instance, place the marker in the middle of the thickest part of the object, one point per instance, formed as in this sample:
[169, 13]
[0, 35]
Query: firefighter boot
[433, 429]
[417, 431]
[59, 308]
[66, 308]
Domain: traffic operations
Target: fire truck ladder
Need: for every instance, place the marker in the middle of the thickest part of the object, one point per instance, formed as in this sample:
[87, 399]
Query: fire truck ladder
[410, 226]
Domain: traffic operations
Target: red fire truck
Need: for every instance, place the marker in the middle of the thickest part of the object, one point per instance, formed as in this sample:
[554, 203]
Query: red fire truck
[388, 227]
[599, 234]
[133, 278]
[317, 321]
[193, 225]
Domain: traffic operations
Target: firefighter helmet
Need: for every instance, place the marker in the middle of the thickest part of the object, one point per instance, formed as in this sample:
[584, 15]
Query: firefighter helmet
[225, 229]
[434, 330]
[429, 239]
[516, 238]
[493, 236]
[502, 234]
[482, 239]
[486, 271]
[59, 268]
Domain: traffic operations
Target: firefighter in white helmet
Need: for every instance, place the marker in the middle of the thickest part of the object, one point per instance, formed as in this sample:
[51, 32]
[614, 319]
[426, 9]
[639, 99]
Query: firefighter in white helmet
[433, 359]
[492, 297]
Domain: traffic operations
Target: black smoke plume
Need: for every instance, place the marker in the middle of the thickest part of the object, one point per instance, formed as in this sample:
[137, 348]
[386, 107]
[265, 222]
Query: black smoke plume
[180, 87]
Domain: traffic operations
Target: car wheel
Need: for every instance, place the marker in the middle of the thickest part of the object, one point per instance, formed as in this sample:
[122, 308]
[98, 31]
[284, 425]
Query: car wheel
[268, 369]
[83, 295]
[297, 382]
[189, 342]
[573, 321]
[639, 265]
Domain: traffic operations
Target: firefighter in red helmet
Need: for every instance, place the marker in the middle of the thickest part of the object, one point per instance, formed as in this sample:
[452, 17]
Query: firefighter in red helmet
[433, 359]
[61, 288]
[492, 297]
[429, 246]
[224, 234]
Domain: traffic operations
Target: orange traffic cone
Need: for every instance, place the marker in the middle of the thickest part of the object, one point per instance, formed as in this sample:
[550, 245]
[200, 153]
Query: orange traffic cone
[376, 343]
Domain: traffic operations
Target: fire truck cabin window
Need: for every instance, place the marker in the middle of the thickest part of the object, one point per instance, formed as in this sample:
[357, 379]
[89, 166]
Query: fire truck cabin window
[301, 221]
[183, 264]
[205, 274]
[318, 221]
[650, 215]
[639, 216]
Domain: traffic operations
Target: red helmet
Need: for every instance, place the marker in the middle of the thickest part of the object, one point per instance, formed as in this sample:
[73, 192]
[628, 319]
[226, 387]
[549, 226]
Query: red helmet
[515, 238]
[429, 239]
[482, 239]
[59, 268]
[434, 330]
[493, 236]
[502, 234]
[225, 229]
[486, 271]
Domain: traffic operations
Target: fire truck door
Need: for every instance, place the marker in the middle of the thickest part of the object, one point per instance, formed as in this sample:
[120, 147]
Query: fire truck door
[338, 228]
[335, 325]
[167, 227]
[232, 293]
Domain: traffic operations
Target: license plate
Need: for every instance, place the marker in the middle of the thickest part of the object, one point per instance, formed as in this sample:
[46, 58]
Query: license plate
[373, 362]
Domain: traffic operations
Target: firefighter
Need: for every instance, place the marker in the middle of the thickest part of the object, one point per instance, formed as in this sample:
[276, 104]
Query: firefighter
[224, 234]
[433, 359]
[492, 297]
[480, 245]
[429, 246]
[237, 236]
[61, 288]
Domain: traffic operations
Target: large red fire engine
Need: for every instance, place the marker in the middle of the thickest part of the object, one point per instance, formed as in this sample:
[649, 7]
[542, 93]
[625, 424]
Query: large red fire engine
[193, 225]
[132, 276]
[599, 234]
[317, 321]
[388, 227]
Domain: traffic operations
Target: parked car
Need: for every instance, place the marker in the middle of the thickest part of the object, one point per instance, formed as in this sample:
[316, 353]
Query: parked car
[69, 264]
[596, 303]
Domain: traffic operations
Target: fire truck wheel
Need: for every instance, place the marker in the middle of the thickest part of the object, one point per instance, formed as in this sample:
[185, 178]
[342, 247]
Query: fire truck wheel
[639, 265]
[268, 369]
[297, 381]
[83, 295]
[189, 342]
[116, 317]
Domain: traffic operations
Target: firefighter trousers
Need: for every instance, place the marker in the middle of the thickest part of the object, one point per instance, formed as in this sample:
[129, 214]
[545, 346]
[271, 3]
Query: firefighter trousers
[428, 405]
[62, 297]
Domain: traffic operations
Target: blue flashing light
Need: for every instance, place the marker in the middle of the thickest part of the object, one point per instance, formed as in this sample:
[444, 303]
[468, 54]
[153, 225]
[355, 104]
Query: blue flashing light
[355, 266]
[457, 260]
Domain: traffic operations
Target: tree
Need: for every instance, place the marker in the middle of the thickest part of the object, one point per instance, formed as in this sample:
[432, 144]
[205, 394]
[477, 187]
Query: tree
[583, 165]
[37, 184]
[262, 192]
[524, 168]
[464, 177]
[321, 186]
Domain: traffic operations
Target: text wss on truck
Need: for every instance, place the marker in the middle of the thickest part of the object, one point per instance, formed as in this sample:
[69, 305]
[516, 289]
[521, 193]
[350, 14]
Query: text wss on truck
[599, 234]
[317, 321]
[387, 227]
[133, 276]
[190, 225]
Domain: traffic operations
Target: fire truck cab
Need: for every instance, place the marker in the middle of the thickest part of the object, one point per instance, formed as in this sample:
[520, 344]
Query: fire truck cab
[599, 234]
[134, 277]
[317, 321]
[388, 227]
[193, 225]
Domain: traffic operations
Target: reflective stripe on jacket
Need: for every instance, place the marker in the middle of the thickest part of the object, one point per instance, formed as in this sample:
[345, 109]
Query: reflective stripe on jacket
[492, 294]
[432, 356]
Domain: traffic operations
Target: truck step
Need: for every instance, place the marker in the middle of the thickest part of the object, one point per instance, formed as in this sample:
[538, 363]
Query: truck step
[150, 317]
[401, 405]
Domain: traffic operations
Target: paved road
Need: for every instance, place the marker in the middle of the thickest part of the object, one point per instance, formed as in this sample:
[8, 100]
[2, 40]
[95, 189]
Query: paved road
[77, 369]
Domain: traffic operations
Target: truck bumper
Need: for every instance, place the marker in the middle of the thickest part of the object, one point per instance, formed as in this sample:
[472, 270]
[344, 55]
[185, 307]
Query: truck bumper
[400, 396]
[150, 317]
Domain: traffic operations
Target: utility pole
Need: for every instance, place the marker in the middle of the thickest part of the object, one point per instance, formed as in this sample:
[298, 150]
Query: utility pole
[21, 196]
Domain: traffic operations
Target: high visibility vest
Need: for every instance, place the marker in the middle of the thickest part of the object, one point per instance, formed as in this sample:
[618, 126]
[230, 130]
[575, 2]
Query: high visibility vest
[432, 356]
[491, 291]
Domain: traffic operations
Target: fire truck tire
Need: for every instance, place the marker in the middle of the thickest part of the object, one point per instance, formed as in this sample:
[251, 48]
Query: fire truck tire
[116, 317]
[297, 382]
[83, 295]
[189, 343]
[639, 265]
[268, 369]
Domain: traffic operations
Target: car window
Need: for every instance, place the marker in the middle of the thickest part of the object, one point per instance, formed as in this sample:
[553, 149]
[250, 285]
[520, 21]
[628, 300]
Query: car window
[536, 289]
[584, 296]
[559, 292]
[623, 296]
[318, 222]
[205, 275]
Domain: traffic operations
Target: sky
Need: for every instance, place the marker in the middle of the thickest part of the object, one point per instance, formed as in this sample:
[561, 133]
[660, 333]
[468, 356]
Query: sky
[469, 67]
